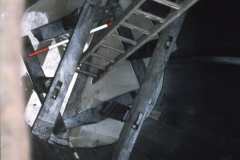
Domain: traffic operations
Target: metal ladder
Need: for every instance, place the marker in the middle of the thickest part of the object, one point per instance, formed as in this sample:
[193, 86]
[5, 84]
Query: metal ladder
[133, 8]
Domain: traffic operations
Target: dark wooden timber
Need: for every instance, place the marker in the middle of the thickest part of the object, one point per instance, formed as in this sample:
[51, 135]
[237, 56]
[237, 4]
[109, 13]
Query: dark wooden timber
[74, 101]
[46, 119]
[147, 91]
[33, 66]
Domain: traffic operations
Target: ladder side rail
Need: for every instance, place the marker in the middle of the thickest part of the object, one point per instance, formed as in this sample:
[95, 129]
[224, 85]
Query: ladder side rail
[153, 31]
[128, 12]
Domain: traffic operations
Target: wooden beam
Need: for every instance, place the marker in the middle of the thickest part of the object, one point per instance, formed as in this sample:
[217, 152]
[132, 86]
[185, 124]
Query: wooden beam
[46, 119]
[148, 90]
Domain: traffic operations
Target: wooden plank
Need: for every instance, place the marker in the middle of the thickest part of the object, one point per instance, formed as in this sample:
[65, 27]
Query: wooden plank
[147, 90]
[73, 106]
[47, 117]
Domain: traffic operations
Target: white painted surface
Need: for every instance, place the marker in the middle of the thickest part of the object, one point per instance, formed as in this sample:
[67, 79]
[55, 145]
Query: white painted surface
[32, 109]
[118, 81]
[59, 44]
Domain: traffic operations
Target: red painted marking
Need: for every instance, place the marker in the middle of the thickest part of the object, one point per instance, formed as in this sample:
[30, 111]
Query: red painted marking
[68, 139]
[78, 159]
[109, 24]
[47, 48]
[37, 52]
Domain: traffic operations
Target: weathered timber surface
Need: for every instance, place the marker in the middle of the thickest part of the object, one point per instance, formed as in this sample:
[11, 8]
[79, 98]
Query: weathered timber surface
[50, 110]
[147, 90]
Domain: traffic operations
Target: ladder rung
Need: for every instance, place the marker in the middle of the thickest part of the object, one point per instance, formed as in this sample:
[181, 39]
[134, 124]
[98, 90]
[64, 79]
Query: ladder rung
[94, 65]
[112, 29]
[112, 48]
[168, 3]
[149, 15]
[131, 26]
[87, 73]
[124, 39]
[108, 59]
[153, 31]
